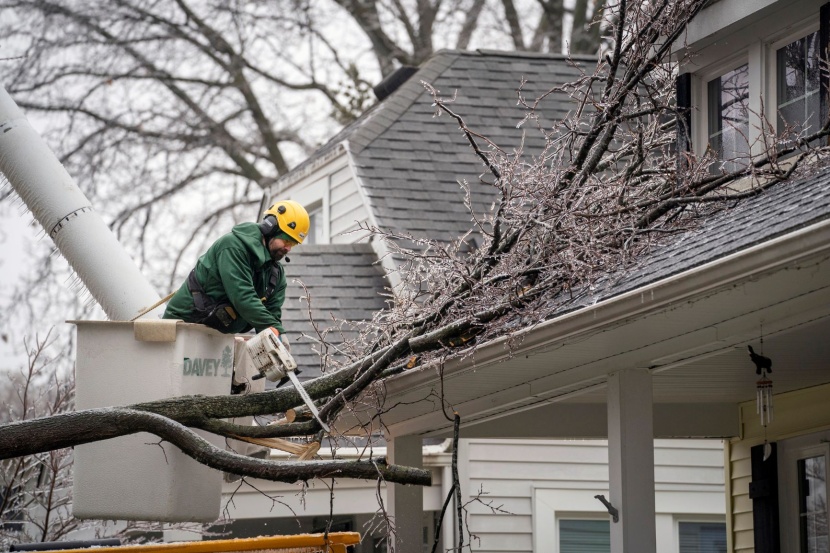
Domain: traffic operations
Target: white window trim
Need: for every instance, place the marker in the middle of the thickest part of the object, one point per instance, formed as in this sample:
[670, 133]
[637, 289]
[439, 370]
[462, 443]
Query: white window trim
[789, 452]
[700, 84]
[678, 519]
[553, 504]
[315, 193]
[771, 91]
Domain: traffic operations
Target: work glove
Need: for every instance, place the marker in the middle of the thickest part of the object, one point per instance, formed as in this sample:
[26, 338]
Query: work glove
[281, 338]
[287, 345]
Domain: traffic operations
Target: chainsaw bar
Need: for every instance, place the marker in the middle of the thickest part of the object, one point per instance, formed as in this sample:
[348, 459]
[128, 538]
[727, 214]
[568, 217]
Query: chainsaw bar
[307, 399]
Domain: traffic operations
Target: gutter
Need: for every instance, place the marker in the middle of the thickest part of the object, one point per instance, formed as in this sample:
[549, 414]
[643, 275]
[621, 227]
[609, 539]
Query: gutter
[436, 455]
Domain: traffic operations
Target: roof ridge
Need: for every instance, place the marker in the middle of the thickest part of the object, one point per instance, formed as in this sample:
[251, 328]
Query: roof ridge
[533, 55]
[491, 52]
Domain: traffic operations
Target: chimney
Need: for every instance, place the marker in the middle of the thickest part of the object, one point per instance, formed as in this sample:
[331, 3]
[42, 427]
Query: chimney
[394, 80]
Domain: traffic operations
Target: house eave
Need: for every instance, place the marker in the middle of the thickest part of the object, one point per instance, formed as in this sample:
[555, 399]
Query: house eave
[293, 177]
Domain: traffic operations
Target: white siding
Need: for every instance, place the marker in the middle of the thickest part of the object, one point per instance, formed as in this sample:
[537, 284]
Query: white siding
[347, 207]
[516, 476]
[333, 186]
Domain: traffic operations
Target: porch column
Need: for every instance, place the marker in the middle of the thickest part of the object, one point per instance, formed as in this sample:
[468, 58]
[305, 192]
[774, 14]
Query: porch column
[631, 461]
[405, 504]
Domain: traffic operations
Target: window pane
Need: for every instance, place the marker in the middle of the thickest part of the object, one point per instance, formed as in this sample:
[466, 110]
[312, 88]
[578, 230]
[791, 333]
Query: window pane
[702, 537]
[584, 536]
[812, 504]
[729, 117]
[798, 84]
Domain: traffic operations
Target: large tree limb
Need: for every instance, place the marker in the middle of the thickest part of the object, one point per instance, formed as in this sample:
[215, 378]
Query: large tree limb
[72, 429]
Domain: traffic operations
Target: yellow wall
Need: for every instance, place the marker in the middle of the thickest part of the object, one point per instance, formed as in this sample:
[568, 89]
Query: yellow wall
[796, 413]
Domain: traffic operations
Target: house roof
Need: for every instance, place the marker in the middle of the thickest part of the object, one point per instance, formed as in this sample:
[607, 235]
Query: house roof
[409, 162]
[781, 209]
[342, 281]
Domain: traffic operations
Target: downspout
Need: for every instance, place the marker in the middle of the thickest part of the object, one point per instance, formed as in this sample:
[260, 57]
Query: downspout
[66, 215]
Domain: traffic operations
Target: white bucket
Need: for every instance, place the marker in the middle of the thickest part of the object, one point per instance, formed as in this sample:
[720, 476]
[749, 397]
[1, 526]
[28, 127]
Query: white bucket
[136, 477]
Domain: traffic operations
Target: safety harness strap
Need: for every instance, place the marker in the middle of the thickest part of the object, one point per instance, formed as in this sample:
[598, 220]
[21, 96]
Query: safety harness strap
[276, 274]
[218, 315]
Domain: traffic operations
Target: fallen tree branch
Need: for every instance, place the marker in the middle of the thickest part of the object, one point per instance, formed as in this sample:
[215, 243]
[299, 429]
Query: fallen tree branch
[92, 425]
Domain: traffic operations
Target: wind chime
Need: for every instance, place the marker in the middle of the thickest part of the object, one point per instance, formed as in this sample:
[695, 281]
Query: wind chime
[763, 388]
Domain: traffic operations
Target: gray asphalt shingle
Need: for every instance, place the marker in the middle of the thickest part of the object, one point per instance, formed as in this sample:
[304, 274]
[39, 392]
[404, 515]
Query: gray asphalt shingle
[406, 157]
[344, 281]
[781, 209]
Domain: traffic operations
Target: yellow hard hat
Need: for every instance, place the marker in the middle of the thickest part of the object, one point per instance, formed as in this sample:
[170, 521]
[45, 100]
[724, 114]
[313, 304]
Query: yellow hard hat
[291, 218]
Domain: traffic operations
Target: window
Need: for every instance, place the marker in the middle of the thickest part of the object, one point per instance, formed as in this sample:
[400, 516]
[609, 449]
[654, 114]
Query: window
[803, 493]
[812, 504]
[315, 228]
[729, 117]
[798, 84]
[767, 64]
[702, 537]
[584, 536]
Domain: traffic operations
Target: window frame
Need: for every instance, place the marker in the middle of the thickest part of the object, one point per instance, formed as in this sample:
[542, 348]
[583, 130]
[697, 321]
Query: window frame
[707, 116]
[757, 46]
[696, 519]
[775, 44]
[790, 452]
[552, 503]
[596, 517]
[318, 208]
[312, 196]
[700, 84]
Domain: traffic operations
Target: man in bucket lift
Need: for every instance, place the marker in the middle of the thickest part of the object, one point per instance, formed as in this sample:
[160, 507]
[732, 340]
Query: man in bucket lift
[239, 283]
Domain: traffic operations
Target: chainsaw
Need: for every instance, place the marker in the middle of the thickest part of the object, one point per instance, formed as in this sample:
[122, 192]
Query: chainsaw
[272, 360]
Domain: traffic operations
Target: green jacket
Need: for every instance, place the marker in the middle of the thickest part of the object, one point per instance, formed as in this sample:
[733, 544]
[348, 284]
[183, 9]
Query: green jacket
[236, 270]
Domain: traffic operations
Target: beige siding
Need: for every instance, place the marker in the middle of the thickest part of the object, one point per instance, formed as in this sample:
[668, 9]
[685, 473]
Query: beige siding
[509, 472]
[796, 413]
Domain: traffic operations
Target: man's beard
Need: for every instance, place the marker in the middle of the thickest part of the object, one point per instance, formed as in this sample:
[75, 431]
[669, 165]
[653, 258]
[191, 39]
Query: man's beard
[277, 255]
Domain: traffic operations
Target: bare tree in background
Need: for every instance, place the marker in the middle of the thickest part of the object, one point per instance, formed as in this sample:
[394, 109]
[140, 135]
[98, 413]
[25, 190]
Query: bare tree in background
[606, 188]
[35, 491]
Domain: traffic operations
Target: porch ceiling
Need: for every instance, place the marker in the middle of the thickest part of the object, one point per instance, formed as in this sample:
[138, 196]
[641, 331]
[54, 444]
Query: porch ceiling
[691, 330]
